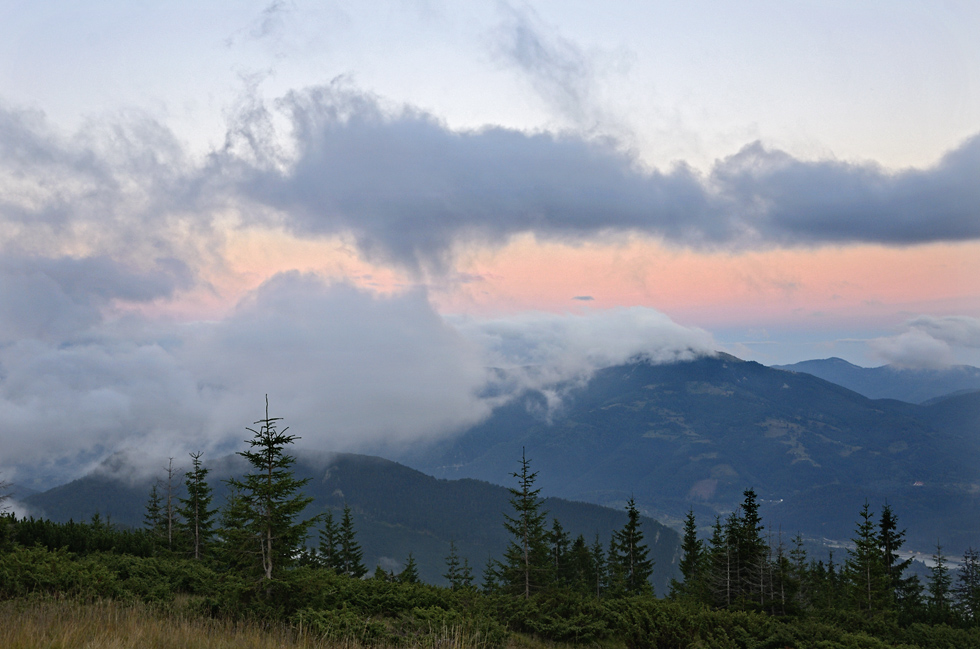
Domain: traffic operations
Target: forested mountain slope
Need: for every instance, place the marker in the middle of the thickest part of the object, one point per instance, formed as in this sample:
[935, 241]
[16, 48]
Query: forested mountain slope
[396, 510]
[696, 434]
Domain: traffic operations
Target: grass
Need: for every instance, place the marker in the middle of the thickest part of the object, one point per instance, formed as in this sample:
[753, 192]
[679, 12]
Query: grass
[54, 623]
[66, 624]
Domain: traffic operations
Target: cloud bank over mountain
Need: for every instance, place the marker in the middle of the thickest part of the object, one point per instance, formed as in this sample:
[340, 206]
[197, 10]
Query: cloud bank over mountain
[349, 369]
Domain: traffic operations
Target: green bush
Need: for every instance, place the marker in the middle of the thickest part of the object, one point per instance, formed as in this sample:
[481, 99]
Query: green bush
[28, 571]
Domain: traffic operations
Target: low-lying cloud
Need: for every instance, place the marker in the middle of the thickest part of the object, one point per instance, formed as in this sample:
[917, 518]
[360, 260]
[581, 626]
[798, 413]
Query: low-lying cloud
[350, 370]
[929, 342]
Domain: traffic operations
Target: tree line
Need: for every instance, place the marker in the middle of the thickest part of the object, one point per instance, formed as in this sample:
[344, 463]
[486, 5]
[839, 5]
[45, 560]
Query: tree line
[740, 567]
[260, 531]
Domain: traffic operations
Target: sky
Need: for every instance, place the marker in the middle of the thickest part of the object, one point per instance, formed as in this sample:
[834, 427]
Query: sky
[394, 216]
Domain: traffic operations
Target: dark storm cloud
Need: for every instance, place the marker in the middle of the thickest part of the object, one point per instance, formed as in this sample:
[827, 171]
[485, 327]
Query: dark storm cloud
[409, 188]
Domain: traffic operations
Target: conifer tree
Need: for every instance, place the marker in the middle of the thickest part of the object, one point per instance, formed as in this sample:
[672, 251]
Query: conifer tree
[750, 550]
[597, 566]
[891, 541]
[629, 564]
[691, 564]
[525, 567]
[153, 519]
[329, 545]
[801, 573]
[350, 557]
[380, 574]
[579, 567]
[237, 547]
[197, 521]
[558, 542]
[466, 574]
[410, 574]
[491, 576]
[939, 587]
[864, 570]
[458, 573]
[967, 589]
[271, 500]
[721, 559]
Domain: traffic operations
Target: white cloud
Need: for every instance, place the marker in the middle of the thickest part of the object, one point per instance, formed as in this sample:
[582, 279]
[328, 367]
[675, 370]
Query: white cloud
[929, 342]
[540, 350]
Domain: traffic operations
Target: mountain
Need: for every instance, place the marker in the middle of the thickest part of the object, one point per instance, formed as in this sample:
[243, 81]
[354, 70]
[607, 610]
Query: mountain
[396, 510]
[696, 434]
[889, 382]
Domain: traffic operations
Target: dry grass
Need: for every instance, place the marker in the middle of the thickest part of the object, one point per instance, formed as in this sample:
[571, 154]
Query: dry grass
[64, 624]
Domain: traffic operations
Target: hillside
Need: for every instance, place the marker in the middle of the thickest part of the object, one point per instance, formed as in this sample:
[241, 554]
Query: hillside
[888, 382]
[397, 510]
[696, 434]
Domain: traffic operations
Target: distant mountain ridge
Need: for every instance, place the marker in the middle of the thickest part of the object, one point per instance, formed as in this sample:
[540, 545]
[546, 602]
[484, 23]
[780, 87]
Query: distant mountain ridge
[697, 433]
[888, 382]
[396, 510]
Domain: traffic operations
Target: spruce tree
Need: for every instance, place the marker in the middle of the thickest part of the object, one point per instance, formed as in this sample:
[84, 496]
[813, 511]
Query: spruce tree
[410, 574]
[271, 500]
[558, 542]
[153, 518]
[350, 557]
[939, 587]
[864, 570]
[525, 567]
[691, 564]
[750, 549]
[329, 545]
[491, 576]
[597, 565]
[197, 521]
[967, 589]
[891, 541]
[628, 562]
[458, 573]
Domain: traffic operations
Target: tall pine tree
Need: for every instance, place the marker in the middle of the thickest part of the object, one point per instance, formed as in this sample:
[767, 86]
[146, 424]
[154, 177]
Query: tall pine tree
[270, 499]
[864, 570]
[629, 563]
[526, 564]
[350, 557]
[196, 519]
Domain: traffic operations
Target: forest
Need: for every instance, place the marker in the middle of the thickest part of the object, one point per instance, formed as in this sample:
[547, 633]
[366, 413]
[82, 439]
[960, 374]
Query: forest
[257, 570]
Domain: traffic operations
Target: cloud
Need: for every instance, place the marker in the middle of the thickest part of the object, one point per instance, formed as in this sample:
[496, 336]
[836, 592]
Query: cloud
[56, 298]
[350, 370]
[347, 368]
[584, 298]
[541, 350]
[410, 189]
[122, 187]
[962, 331]
[775, 198]
[929, 342]
[557, 68]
